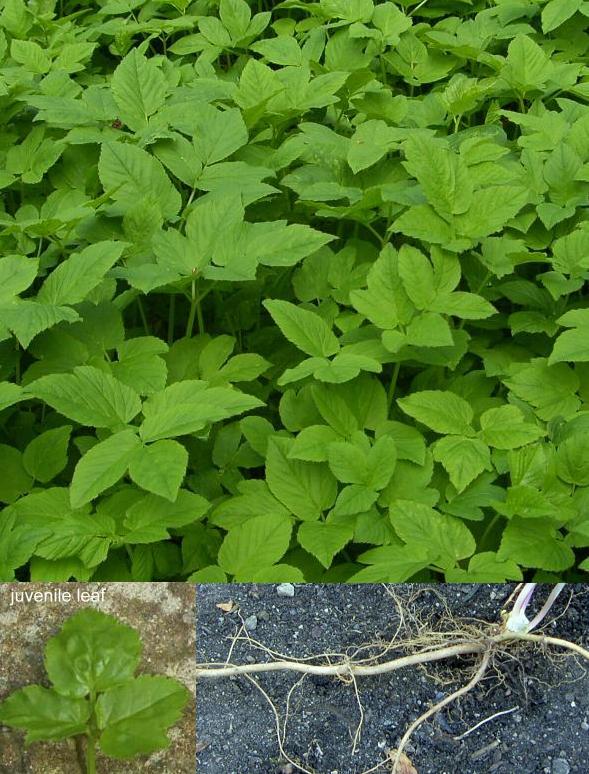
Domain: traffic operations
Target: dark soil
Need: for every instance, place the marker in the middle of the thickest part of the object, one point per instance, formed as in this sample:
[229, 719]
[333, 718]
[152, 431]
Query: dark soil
[547, 734]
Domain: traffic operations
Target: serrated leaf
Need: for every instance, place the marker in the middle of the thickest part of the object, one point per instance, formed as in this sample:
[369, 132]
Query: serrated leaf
[258, 542]
[305, 329]
[160, 468]
[323, 540]
[102, 466]
[442, 411]
[139, 89]
[88, 396]
[134, 718]
[91, 653]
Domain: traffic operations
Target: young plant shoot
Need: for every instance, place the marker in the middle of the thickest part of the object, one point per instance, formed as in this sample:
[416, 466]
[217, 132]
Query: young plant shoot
[94, 694]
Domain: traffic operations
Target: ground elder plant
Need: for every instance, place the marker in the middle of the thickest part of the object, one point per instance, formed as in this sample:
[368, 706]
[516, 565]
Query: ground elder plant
[94, 695]
[294, 291]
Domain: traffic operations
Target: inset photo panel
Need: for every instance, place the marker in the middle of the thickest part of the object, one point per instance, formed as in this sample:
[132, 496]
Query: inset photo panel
[97, 678]
[392, 679]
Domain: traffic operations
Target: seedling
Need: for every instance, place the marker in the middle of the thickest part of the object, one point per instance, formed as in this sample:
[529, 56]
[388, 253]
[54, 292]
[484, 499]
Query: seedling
[94, 694]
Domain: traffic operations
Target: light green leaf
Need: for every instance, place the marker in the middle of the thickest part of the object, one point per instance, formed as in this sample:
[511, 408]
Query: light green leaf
[324, 541]
[370, 142]
[258, 542]
[445, 538]
[505, 428]
[305, 329]
[102, 466]
[442, 411]
[73, 279]
[535, 543]
[46, 455]
[306, 489]
[160, 468]
[139, 89]
[463, 458]
[88, 396]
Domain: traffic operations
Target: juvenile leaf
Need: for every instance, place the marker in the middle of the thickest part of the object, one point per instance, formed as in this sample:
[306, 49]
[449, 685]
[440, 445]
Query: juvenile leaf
[92, 652]
[44, 713]
[134, 718]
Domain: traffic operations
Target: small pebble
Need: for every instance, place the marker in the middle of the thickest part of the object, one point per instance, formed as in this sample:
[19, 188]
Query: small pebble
[251, 622]
[585, 726]
[560, 766]
[285, 590]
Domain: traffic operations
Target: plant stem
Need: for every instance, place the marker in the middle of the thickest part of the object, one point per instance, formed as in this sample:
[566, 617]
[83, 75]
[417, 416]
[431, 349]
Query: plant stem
[192, 313]
[143, 317]
[91, 755]
[393, 384]
[171, 318]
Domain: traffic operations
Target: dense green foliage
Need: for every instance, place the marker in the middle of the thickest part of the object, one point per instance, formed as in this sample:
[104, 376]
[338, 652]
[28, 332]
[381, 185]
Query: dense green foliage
[90, 664]
[294, 291]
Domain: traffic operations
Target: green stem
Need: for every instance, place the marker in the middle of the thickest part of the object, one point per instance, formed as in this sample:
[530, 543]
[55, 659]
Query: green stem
[171, 318]
[488, 530]
[143, 317]
[91, 755]
[393, 384]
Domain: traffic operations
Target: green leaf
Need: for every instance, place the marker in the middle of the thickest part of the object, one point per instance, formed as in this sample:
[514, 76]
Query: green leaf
[88, 396]
[76, 277]
[135, 717]
[306, 489]
[44, 714]
[160, 468]
[102, 466]
[391, 564]
[324, 541]
[527, 67]
[92, 652]
[219, 133]
[550, 389]
[535, 543]
[442, 174]
[572, 345]
[556, 12]
[305, 329]
[370, 142]
[445, 538]
[46, 455]
[442, 411]
[189, 406]
[139, 89]
[312, 444]
[463, 458]
[258, 542]
[505, 428]
[130, 175]
[15, 479]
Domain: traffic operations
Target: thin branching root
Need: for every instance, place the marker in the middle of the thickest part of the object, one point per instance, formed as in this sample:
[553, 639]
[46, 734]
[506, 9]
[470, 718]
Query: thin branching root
[470, 648]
